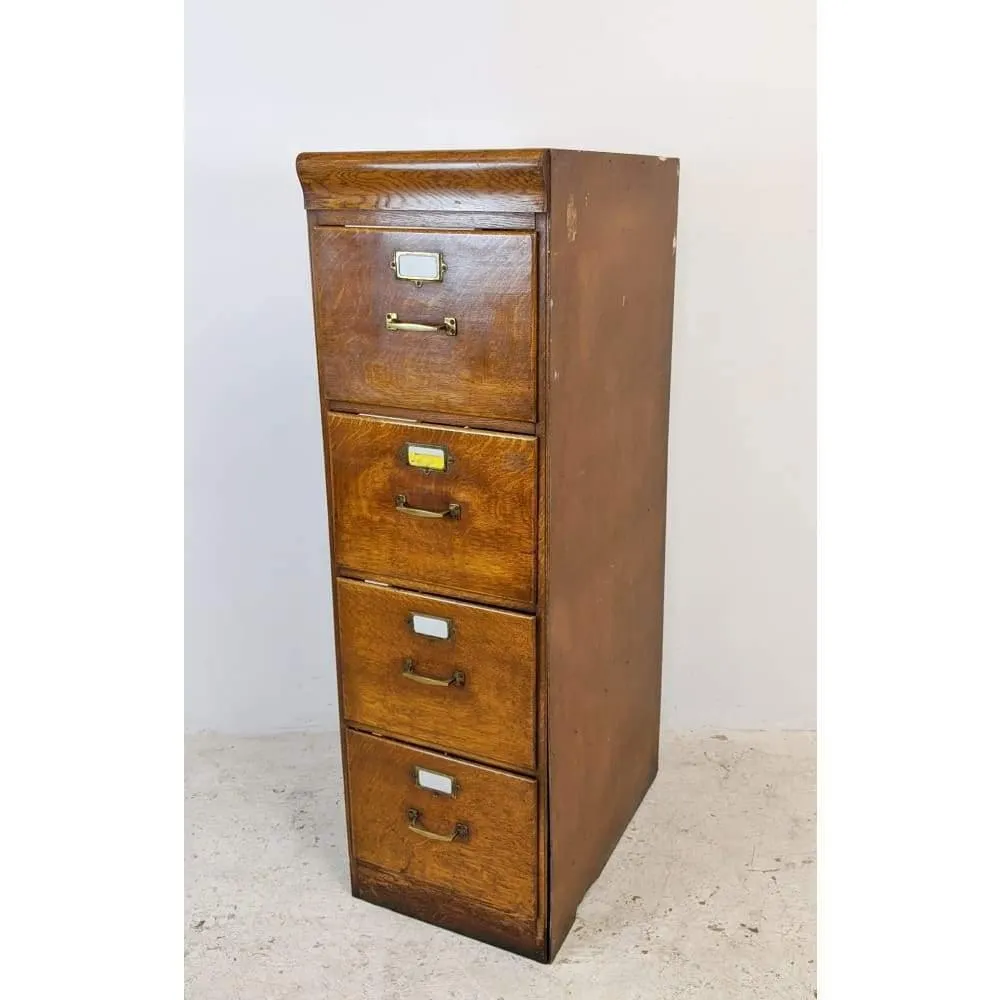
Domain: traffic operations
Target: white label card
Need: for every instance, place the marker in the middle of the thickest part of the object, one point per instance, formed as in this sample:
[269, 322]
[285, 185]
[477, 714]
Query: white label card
[435, 782]
[436, 628]
[418, 265]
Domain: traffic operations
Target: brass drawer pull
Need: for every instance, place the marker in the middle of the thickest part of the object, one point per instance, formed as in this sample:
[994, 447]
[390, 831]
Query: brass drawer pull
[461, 831]
[449, 326]
[410, 673]
[454, 509]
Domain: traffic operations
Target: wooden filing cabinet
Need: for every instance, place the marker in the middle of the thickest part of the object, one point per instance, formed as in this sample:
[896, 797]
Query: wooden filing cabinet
[493, 335]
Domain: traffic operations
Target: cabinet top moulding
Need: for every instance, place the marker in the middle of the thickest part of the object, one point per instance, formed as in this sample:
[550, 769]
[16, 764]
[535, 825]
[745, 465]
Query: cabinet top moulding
[504, 180]
[511, 180]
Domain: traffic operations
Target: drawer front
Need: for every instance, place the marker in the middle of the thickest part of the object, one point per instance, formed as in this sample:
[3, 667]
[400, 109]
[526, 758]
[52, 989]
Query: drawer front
[487, 369]
[453, 675]
[396, 824]
[387, 512]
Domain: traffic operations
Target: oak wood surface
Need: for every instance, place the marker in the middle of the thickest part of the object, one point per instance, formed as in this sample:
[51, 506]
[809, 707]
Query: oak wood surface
[487, 553]
[493, 863]
[488, 369]
[328, 488]
[541, 617]
[489, 717]
[456, 913]
[613, 223]
[511, 180]
[458, 221]
[570, 521]
[408, 414]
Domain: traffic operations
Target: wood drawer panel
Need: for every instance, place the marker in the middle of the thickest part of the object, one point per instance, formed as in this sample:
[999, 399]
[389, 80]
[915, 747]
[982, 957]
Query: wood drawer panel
[488, 369]
[495, 862]
[486, 553]
[446, 909]
[488, 713]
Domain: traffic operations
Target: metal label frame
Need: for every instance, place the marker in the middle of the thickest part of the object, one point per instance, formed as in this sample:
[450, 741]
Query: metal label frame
[452, 783]
[405, 455]
[418, 281]
[423, 635]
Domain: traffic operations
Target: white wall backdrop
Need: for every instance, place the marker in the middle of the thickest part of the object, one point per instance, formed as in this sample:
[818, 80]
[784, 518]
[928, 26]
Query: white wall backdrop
[726, 85]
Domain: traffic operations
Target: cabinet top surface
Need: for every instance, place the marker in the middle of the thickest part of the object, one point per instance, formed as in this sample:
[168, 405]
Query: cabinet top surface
[429, 157]
[497, 180]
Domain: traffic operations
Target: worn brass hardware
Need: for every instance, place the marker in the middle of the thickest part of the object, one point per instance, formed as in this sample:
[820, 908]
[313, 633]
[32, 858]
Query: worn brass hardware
[461, 831]
[427, 458]
[418, 266]
[435, 782]
[454, 509]
[448, 326]
[430, 626]
[410, 673]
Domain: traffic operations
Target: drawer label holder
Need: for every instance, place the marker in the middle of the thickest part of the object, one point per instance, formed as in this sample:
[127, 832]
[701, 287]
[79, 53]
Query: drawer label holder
[434, 781]
[429, 458]
[418, 266]
[428, 625]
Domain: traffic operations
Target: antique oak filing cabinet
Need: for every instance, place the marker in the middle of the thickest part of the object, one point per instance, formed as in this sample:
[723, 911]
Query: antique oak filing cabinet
[493, 335]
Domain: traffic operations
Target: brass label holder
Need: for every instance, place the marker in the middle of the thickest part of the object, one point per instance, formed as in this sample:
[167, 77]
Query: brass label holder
[427, 457]
[435, 781]
[430, 625]
[418, 266]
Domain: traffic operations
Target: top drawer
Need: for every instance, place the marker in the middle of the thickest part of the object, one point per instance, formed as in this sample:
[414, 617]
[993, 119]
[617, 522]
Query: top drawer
[485, 366]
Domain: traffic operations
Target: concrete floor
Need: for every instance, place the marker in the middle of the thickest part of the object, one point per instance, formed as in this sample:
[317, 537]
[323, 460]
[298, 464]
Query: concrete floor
[710, 894]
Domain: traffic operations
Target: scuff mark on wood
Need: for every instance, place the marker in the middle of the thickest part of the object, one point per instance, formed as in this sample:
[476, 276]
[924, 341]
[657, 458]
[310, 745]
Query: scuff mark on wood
[571, 220]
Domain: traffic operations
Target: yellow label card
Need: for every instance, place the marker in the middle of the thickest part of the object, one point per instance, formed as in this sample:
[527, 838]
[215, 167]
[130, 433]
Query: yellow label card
[422, 457]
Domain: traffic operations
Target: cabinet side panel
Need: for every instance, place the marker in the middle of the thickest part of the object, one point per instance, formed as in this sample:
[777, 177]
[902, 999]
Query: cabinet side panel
[612, 239]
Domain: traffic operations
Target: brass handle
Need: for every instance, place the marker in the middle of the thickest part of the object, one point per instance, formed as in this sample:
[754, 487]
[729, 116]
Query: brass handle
[410, 673]
[461, 831]
[454, 509]
[449, 326]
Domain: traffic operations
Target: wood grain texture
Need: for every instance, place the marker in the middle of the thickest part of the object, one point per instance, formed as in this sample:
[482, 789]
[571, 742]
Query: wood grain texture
[613, 222]
[541, 616]
[487, 554]
[457, 221]
[328, 484]
[490, 717]
[408, 414]
[445, 909]
[494, 864]
[488, 369]
[568, 501]
[510, 180]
